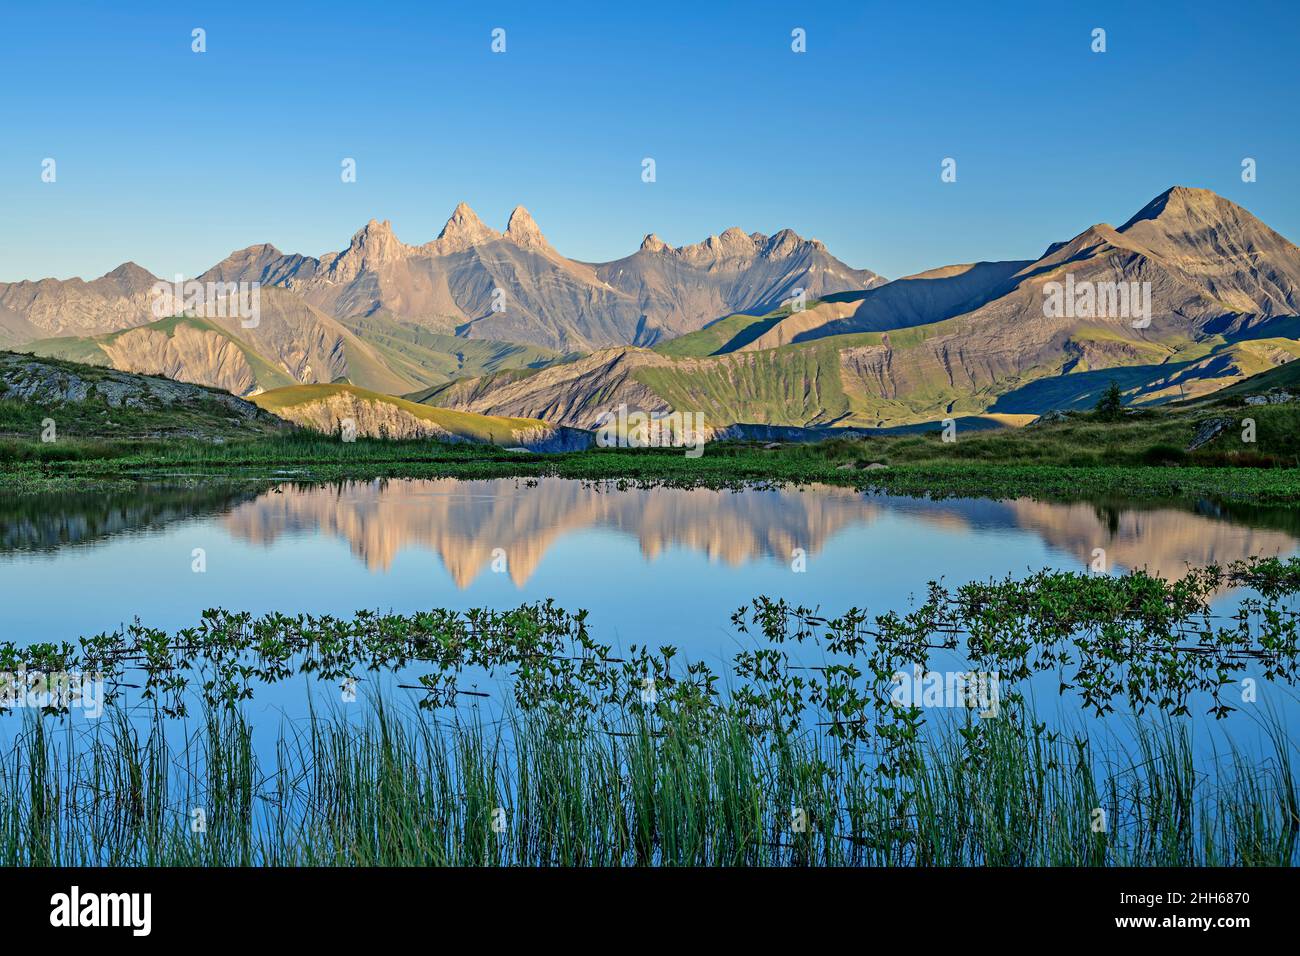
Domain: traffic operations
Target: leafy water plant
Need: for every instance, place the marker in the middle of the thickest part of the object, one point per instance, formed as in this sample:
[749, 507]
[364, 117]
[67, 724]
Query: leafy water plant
[1135, 637]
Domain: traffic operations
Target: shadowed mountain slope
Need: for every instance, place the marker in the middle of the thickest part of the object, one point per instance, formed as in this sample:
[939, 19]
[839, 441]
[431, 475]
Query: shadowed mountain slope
[1224, 291]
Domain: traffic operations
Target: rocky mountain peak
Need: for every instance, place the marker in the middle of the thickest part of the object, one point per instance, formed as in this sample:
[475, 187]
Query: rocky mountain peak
[464, 229]
[372, 245]
[376, 240]
[782, 244]
[1192, 228]
[523, 230]
[129, 274]
[1180, 200]
[735, 242]
[652, 243]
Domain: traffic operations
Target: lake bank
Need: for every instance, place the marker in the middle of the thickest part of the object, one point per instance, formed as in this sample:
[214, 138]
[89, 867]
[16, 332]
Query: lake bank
[258, 464]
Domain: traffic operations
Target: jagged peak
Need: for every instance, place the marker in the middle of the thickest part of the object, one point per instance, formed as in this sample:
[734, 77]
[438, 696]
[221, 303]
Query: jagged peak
[782, 244]
[523, 230]
[465, 225]
[734, 242]
[372, 244]
[372, 232]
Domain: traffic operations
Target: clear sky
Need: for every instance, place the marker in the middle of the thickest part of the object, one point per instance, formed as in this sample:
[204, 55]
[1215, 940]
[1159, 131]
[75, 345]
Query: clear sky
[173, 159]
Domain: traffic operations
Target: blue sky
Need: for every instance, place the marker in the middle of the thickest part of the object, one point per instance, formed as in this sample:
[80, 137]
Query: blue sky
[173, 159]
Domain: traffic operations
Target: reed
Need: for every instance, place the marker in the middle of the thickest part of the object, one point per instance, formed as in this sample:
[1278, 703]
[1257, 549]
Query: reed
[402, 788]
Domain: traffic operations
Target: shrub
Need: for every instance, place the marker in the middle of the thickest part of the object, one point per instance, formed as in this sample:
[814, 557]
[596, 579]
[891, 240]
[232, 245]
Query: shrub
[1164, 455]
[1110, 407]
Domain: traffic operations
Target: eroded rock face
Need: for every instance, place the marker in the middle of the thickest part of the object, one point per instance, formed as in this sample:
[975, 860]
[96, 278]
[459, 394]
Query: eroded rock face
[188, 353]
[575, 393]
[372, 419]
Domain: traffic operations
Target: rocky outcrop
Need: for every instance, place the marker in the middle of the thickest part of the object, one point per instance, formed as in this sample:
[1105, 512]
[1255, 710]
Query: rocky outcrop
[1274, 396]
[1209, 430]
[729, 273]
[28, 379]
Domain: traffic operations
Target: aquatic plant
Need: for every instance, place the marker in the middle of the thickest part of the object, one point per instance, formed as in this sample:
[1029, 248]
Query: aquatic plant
[1135, 637]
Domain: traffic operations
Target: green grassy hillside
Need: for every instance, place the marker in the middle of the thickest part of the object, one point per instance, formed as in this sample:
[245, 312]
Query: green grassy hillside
[797, 385]
[434, 358]
[483, 428]
[904, 376]
[1285, 377]
[721, 335]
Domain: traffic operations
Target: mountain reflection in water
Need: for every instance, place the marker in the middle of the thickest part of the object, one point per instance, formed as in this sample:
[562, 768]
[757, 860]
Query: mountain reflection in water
[465, 522]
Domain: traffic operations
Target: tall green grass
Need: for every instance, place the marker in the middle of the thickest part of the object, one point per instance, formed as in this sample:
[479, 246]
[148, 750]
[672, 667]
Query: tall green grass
[402, 788]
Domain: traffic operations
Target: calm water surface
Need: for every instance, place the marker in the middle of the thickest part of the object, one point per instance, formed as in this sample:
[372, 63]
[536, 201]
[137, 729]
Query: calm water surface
[653, 566]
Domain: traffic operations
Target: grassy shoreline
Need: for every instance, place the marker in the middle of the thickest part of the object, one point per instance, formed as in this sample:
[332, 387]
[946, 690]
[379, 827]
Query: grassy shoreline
[1252, 455]
[732, 465]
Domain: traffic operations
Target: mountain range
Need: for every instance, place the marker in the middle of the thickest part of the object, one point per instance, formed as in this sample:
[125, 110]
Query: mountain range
[964, 339]
[473, 282]
[501, 324]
